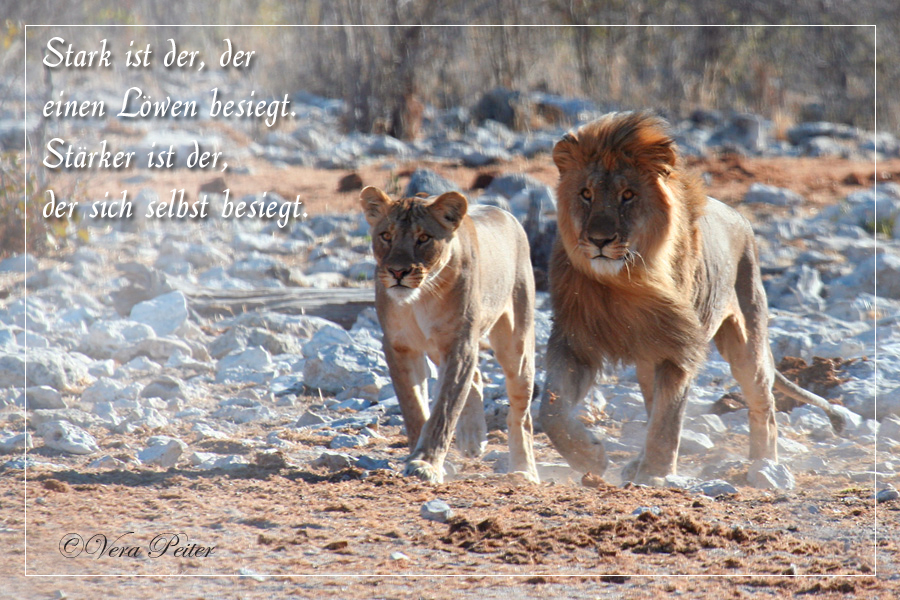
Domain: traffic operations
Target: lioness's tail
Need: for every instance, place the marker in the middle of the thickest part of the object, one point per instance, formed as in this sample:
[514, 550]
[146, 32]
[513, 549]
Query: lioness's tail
[788, 387]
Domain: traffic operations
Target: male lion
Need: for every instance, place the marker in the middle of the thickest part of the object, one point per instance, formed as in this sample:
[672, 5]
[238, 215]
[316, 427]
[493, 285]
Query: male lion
[647, 270]
[447, 275]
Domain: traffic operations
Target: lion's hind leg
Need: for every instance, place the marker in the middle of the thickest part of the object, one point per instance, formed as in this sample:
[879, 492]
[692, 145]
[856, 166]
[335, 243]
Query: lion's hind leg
[666, 407]
[748, 353]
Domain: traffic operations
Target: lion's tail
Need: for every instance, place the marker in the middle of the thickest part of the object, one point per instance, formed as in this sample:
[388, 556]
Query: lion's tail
[785, 386]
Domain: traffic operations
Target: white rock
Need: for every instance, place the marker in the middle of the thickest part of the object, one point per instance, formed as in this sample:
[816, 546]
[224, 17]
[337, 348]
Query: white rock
[10, 443]
[346, 440]
[694, 443]
[887, 494]
[714, 488]
[43, 396]
[769, 194]
[166, 314]
[65, 437]
[890, 428]
[41, 366]
[105, 338]
[19, 263]
[888, 404]
[205, 432]
[162, 451]
[199, 458]
[765, 474]
[71, 415]
[436, 510]
[810, 463]
[789, 446]
[809, 419]
[337, 367]
[326, 336]
[110, 390]
[333, 461]
[707, 423]
[254, 358]
[311, 419]
[883, 267]
[147, 417]
[106, 462]
[165, 387]
[244, 414]
[156, 349]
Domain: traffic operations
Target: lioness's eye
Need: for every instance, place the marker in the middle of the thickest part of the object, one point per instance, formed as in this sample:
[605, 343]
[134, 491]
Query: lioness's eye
[424, 238]
[386, 236]
[586, 194]
[627, 195]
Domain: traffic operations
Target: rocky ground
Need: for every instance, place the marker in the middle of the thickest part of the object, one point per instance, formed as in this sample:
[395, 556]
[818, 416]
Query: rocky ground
[275, 437]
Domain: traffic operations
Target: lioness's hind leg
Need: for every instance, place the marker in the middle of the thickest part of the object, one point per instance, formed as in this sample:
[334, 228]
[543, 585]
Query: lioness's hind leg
[471, 429]
[514, 349]
[409, 371]
[751, 364]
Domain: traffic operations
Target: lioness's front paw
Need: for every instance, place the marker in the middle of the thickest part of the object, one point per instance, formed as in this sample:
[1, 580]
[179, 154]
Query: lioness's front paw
[471, 444]
[424, 471]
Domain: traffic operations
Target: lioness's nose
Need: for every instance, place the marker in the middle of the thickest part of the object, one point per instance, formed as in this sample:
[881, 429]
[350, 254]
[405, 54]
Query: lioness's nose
[600, 242]
[399, 273]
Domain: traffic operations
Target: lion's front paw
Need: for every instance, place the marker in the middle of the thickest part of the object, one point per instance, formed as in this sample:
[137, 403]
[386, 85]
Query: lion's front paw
[424, 471]
[523, 477]
[636, 472]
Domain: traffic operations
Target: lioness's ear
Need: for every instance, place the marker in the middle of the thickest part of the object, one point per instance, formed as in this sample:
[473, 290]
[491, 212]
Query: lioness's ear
[567, 153]
[375, 204]
[449, 209]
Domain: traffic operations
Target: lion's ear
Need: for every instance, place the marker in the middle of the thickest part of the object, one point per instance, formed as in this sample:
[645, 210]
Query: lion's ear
[449, 209]
[654, 148]
[567, 153]
[661, 156]
[375, 204]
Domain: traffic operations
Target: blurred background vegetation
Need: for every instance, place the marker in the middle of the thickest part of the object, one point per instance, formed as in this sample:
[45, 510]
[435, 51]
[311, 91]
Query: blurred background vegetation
[577, 48]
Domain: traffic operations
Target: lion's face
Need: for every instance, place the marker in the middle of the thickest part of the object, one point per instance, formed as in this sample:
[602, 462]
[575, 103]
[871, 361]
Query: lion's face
[614, 205]
[411, 238]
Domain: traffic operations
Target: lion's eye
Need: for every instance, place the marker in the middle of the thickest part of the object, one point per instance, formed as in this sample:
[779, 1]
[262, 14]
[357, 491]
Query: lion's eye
[424, 238]
[386, 236]
[586, 194]
[627, 196]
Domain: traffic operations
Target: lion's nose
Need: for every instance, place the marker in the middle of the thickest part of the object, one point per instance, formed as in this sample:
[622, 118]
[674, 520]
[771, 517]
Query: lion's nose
[601, 242]
[399, 274]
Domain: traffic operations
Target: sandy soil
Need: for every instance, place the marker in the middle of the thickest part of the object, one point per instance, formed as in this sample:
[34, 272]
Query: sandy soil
[278, 518]
[279, 528]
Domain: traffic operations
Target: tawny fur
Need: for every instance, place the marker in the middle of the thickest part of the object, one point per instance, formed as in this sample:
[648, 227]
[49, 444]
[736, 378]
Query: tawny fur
[446, 276]
[647, 270]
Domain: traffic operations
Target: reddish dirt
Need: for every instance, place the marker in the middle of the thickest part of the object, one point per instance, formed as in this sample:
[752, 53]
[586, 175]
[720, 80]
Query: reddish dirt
[818, 377]
[279, 519]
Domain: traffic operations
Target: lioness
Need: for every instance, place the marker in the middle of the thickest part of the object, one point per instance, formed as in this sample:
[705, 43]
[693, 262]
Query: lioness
[447, 275]
[647, 270]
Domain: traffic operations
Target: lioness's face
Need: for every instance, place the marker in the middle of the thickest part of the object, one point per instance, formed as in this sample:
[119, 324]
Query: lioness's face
[411, 239]
[612, 200]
